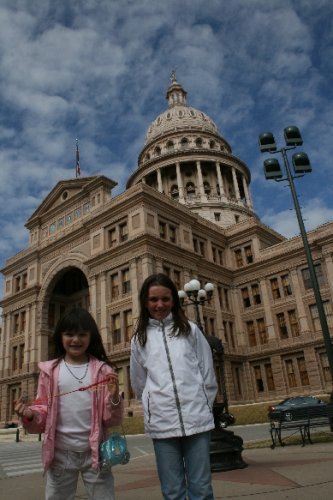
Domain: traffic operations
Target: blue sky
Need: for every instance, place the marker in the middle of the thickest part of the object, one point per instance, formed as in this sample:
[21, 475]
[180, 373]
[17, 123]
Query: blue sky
[98, 70]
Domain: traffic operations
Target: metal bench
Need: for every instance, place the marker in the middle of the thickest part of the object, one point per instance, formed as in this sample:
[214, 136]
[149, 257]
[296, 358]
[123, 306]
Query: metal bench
[300, 420]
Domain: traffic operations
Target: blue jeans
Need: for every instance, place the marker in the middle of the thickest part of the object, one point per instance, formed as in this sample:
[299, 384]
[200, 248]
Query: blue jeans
[183, 466]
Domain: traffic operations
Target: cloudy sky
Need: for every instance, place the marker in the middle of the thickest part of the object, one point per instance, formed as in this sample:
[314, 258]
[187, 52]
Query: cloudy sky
[98, 70]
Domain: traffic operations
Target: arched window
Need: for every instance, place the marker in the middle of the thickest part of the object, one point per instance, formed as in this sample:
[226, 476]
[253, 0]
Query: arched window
[198, 142]
[174, 192]
[170, 146]
[157, 151]
[207, 188]
[184, 143]
[190, 190]
[212, 144]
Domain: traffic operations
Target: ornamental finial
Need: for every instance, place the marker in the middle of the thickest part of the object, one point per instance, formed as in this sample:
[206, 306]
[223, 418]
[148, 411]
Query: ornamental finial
[173, 76]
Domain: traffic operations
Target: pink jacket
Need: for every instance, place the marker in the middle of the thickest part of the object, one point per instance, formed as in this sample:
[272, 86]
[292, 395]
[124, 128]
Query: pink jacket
[104, 414]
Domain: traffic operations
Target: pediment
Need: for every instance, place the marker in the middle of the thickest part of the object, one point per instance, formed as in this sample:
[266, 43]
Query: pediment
[63, 193]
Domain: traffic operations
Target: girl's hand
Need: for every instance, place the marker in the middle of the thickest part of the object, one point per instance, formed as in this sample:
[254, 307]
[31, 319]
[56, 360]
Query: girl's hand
[113, 386]
[22, 410]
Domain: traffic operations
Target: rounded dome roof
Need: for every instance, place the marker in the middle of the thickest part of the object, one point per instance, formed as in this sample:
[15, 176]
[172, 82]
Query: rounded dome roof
[179, 116]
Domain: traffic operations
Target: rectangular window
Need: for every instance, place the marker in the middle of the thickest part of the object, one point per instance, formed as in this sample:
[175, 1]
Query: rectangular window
[256, 294]
[291, 377]
[16, 323]
[269, 377]
[202, 248]
[263, 336]
[172, 234]
[24, 280]
[307, 278]
[246, 297]
[286, 285]
[303, 373]
[248, 254]
[239, 258]
[275, 288]
[23, 321]
[17, 283]
[166, 271]
[232, 337]
[251, 333]
[162, 228]
[220, 259]
[116, 330]
[214, 254]
[112, 237]
[128, 324]
[294, 327]
[125, 277]
[258, 378]
[325, 367]
[21, 356]
[114, 278]
[15, 358]
[123, 232]
[282, 326]
[226, 299]
[177, 279]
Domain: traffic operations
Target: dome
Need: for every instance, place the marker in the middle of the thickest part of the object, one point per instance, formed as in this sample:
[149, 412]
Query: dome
[179, 116]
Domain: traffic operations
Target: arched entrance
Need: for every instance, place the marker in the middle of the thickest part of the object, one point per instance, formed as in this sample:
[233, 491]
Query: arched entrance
[69, 287]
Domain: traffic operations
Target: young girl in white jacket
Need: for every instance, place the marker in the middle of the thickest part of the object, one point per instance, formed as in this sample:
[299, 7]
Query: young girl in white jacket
[172, 374]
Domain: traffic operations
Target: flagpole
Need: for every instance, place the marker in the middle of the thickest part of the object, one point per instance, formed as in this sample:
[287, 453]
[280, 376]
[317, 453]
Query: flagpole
[77, 167]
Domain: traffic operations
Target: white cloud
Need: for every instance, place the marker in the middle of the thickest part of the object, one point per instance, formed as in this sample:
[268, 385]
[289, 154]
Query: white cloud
[98, 70]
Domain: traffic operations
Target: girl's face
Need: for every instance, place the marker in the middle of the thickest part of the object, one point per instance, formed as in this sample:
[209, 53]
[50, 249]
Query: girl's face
[159, 302]
[75, 345]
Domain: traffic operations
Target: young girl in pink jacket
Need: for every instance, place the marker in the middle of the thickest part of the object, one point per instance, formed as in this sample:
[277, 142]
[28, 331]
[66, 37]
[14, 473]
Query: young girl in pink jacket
[74, 422]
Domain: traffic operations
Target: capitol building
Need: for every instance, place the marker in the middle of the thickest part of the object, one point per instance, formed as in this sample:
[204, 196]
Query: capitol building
[187, 211]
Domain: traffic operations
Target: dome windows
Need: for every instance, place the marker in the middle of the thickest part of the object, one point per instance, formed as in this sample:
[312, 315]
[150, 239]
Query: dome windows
[198, 142]
[170, 146]
[184, 143]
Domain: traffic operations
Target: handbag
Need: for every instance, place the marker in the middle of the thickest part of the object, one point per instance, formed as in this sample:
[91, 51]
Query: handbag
[114, 451]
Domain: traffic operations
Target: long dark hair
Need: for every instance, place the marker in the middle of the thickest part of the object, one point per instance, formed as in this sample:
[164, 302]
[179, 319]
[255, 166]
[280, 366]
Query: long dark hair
[79, 320]
[181, 324]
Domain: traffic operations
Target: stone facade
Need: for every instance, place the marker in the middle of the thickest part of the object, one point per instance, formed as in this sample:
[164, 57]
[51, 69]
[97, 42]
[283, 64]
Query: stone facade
[186, 211]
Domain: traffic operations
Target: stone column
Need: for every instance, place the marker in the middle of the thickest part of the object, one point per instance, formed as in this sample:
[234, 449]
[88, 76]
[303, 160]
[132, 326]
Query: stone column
[28, 329]
[133, 271]
[103, 325]
[247, 193]
[235, 182]
[202, 194]
[219, 179]
[33, 348]
[180, 183]
[7, 331]
[329, 266]
[3, 344]
[268, 310]
[159, 181]
[93, 293]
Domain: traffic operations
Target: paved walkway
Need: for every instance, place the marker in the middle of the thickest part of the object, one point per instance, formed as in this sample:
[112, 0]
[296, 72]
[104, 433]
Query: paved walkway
[292, 472]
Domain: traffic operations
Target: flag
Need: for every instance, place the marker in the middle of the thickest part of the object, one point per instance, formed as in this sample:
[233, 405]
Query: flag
[78, 169]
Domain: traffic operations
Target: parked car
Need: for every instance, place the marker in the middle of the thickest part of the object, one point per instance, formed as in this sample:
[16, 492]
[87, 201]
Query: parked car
[297, 402]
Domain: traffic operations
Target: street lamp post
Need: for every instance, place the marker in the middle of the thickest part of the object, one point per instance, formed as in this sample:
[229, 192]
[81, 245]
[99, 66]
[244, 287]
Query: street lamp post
[302, 166]
[225, 447]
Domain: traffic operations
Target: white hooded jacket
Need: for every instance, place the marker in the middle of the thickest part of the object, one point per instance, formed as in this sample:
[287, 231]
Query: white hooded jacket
[174, 378]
